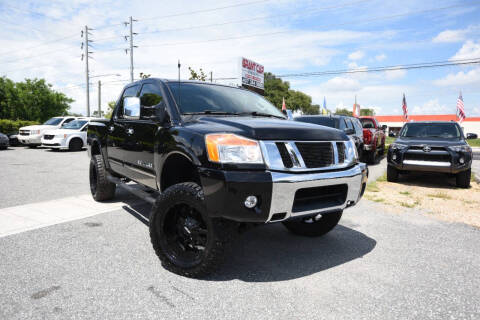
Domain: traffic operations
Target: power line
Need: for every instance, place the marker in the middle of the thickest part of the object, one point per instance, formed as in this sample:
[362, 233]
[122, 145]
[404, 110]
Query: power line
[205, 10]
[315, 10]
[289, 31]
[423, 65]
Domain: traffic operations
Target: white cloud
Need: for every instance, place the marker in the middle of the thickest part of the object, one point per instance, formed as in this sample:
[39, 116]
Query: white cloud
[395, 74]
[380, 57]
[460, 79]
[469, 50]
[342, 84]
[456, 35]
[431, 107]
[356, 55]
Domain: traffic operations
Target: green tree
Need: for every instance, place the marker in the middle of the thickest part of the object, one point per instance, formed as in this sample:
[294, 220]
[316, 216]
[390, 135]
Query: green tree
[32, 99]
[111, 106]
[367, 112]
[200, 75]
[276, 90]
[344, 112]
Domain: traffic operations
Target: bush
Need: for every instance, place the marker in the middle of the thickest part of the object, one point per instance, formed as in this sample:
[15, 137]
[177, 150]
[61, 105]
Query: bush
[8, 126]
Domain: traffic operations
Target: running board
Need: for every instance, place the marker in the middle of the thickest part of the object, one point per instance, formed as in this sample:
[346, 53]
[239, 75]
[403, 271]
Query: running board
[137, 192]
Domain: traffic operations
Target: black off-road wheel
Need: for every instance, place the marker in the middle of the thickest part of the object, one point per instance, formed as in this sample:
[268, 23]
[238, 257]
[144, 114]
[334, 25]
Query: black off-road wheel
[314, 226]
[186, 240]
[101, 188]
[75, 144]
[372, 157]
[463, 178]
[392, 174]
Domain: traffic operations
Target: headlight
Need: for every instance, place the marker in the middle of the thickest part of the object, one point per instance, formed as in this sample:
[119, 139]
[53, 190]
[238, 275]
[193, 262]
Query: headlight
[35, 132]
[61, 136]
[230, 148]
[461, 148]
[398, 146]
[351, 153]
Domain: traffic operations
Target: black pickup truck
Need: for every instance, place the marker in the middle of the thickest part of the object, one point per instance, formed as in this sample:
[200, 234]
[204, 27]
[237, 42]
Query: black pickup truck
[214, 159]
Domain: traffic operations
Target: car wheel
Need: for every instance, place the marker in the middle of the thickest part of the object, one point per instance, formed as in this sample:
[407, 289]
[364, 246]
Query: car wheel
[392, 174]
[75, 144]
[101, 188]
[186, 240]
[314, 226]
[372, 157]
[463, 178]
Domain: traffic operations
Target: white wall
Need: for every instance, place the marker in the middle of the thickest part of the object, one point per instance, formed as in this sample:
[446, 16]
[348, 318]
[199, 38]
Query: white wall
[467, 126]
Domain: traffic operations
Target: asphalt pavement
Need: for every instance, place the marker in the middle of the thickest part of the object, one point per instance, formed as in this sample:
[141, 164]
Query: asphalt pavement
[374, 265]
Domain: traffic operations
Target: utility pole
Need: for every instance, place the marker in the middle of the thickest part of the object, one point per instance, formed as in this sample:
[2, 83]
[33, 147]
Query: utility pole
[131, 20]
[85, 46]
[99, 98]
[211, 76]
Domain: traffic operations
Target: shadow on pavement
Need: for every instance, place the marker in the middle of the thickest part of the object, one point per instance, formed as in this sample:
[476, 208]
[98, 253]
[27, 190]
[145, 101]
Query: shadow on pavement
[271, 253]
[428, 180]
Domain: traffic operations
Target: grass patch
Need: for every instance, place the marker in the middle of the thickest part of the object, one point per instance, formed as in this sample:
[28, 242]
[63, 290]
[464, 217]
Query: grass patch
[389, 140]
[378, 200]
[440, 195]
[372, 187]
[474, 142]
[383, 178]
[405, 193]
[409, 205]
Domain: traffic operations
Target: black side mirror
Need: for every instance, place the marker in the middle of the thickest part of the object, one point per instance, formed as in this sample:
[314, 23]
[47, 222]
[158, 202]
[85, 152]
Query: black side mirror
[349, 131]
[156, 113]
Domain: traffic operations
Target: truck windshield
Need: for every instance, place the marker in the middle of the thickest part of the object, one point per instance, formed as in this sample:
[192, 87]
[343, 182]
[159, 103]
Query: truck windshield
[367, 123]
[323, 121]
[431, 130]
[193, 98]
[52, 121]
[75, 124]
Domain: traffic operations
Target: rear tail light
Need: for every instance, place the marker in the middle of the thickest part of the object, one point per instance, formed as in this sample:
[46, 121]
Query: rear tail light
[367, 136]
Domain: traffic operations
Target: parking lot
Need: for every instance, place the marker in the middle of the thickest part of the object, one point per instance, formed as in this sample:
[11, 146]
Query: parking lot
[375, 265]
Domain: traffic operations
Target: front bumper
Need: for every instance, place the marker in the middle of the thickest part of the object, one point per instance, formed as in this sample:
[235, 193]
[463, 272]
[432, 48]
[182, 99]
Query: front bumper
[59, 143]
[281, 195]
[31, 139]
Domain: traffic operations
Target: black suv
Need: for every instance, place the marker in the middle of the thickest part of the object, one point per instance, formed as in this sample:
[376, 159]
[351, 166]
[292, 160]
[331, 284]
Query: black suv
[431, 147]
[350, 125]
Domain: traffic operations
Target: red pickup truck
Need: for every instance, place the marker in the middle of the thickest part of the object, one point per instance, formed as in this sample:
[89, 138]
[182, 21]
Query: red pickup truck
[373, 139]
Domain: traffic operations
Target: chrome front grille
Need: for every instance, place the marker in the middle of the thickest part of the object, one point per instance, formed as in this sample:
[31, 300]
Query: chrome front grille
[24, 132]
[308, 155]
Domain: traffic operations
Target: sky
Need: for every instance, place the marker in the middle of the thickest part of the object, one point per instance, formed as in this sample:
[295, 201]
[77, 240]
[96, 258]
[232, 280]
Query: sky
[42, 39]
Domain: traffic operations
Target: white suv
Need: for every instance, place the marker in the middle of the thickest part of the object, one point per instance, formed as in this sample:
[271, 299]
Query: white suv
[72, 136]
[32, 135]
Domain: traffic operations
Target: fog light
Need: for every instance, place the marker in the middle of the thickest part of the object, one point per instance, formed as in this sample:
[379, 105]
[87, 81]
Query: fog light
[251, 201]
[394, 156]
[461, 160]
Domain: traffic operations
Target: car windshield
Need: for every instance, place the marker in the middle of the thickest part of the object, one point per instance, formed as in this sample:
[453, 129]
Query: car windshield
[367, 123]
[53, 121]
[196, 98]
[75, 124]
[431, 130]
[323, 121]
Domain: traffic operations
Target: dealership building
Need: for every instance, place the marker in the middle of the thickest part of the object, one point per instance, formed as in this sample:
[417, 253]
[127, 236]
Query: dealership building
[395, 123]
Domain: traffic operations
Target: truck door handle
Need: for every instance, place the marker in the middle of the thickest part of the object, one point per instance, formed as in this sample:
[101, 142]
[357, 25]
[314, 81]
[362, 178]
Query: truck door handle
[130, 131]
[111, 128]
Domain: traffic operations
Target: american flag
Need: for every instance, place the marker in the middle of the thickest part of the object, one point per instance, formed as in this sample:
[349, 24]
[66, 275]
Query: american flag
[460, 108]
[404, 107]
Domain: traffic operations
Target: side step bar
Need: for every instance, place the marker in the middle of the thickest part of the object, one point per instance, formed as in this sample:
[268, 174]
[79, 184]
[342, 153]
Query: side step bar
[137, 192]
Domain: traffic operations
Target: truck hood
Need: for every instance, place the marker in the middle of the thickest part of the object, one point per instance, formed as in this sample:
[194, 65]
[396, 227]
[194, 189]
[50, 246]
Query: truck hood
[430, 141]
[261, 128]
[38, 127]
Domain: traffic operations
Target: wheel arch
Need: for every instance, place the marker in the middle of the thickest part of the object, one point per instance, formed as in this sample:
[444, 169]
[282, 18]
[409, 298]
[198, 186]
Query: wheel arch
[177, 167]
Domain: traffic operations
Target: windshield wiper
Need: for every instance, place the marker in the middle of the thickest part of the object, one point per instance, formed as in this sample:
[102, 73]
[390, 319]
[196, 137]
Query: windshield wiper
[261, 114]
[211, 112]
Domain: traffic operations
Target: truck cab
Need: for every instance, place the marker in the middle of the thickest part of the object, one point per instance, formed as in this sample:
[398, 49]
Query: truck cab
[217, 158]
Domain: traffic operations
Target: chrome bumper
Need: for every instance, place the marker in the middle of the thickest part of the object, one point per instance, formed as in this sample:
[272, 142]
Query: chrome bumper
[285, 185]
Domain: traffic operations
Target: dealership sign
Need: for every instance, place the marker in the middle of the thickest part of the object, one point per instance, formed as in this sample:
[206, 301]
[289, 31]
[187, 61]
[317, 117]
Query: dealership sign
[252, 73]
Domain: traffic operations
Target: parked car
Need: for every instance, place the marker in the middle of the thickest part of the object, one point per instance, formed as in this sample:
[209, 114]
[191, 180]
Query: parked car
[431, 147]
[71, 136]
[472, 136]
[216, 159]
[13, 139]
[3, 141]
[350, 125]
[373, 139]
[32, 135]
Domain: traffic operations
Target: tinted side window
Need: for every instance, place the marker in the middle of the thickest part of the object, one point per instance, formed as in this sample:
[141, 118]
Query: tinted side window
[150, 95]
[349, 124]
[358, 127]
[342, 124]
[129, 92]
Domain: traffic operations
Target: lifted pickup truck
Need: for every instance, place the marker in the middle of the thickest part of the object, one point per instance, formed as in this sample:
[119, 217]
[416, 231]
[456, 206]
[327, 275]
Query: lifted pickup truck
[373, 139]
[215, 159]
